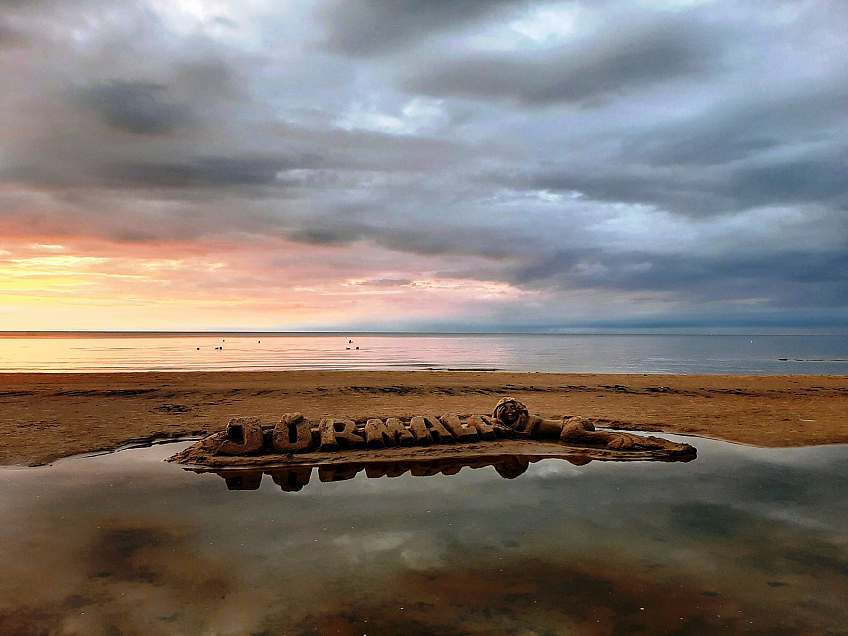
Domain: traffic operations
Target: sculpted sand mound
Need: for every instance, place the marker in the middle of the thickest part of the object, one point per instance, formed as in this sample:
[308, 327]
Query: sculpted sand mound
[508, 439]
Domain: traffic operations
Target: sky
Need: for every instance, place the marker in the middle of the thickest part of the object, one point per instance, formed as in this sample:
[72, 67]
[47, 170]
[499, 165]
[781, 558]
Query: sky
[422, 164]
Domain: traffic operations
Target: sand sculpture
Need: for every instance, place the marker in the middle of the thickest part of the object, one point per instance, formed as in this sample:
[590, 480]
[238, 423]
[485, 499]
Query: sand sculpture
[515, 415]
[420, 444]
[511, 419]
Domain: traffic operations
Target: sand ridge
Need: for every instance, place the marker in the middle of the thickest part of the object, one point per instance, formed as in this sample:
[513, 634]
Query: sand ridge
[45, 416]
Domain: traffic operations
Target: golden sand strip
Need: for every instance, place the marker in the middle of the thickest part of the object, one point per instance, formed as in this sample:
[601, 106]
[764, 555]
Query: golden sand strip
[47, 416]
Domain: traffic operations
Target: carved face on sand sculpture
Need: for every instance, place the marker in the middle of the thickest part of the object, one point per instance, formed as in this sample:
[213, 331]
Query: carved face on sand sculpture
[509, 411]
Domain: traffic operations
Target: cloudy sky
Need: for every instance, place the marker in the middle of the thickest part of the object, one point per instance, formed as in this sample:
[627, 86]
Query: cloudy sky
[422, 164]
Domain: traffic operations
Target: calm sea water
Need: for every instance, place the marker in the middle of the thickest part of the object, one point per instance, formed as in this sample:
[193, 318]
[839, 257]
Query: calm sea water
[589, 353]
[740, 540]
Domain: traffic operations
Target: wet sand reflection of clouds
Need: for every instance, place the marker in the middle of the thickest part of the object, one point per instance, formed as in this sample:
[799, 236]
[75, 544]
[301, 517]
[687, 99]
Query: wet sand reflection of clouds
[124, 543]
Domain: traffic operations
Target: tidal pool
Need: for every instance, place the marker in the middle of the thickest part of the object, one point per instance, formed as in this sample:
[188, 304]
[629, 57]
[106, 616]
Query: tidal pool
[739, 540]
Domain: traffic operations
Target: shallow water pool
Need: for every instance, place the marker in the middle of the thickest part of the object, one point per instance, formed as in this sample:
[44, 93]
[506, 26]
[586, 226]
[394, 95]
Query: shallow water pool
[740, 540]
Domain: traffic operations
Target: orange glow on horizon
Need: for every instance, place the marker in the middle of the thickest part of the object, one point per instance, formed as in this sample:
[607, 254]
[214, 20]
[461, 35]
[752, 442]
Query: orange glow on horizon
[258, 283]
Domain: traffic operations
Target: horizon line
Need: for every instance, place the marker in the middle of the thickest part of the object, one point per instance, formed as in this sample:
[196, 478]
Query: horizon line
[560, 331]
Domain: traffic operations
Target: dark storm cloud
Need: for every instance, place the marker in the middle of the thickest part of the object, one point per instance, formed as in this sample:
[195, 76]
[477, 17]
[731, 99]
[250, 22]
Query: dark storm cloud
[203, 172]
[798, 278]
[742, 130]
[137, 107]
[581, 73]
[188, 175]
[369, 27]
[326, 236]
[804, 181]
[432, 241]
[761, 151]
[644, 270]
[733, 189]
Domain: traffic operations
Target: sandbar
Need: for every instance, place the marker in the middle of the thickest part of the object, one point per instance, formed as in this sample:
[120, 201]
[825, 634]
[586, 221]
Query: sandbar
[47, 416]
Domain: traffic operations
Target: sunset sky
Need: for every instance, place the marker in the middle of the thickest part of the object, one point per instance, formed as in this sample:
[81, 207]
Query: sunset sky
[429, 165]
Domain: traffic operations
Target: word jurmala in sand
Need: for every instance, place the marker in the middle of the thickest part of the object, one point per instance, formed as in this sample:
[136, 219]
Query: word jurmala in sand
[296, 439]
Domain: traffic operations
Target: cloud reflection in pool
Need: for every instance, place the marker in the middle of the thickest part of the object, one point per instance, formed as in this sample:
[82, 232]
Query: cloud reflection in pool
[742, 538]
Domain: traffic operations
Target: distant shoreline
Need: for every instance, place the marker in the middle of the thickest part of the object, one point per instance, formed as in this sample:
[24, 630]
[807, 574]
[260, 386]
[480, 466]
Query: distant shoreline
[576, 331]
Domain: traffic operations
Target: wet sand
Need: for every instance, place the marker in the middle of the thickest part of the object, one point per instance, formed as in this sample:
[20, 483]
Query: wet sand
[47, 416]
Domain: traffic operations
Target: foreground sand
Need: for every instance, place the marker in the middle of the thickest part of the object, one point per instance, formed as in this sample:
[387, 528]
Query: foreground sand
[47, 416]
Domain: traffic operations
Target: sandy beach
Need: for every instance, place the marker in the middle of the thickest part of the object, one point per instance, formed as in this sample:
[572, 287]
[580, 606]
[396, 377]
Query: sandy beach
[44, 417]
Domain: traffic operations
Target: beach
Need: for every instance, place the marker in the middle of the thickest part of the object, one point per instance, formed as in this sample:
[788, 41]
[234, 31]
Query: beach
[47, 416]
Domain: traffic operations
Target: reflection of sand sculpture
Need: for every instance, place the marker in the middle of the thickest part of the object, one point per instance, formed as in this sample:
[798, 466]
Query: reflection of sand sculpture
[293, 479]
[339, 446]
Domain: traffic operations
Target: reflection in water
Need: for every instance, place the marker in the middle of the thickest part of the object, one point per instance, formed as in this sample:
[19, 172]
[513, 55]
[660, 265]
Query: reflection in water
[295, 478]
[742, 540]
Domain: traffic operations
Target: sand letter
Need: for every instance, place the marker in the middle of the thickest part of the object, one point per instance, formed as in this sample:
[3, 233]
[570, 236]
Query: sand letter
[462, 432]
[337, 434]
[328, 434]
[243, 436]
[402, 435]
[377, 435]
[486, 430]
[292, 434]
[419, 431]
[428, 428]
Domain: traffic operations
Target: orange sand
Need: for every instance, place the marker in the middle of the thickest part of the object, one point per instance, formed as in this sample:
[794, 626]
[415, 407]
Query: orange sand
[47, 416]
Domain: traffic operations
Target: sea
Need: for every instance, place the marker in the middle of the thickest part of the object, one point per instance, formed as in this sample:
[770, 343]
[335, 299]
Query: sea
[637, 352]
